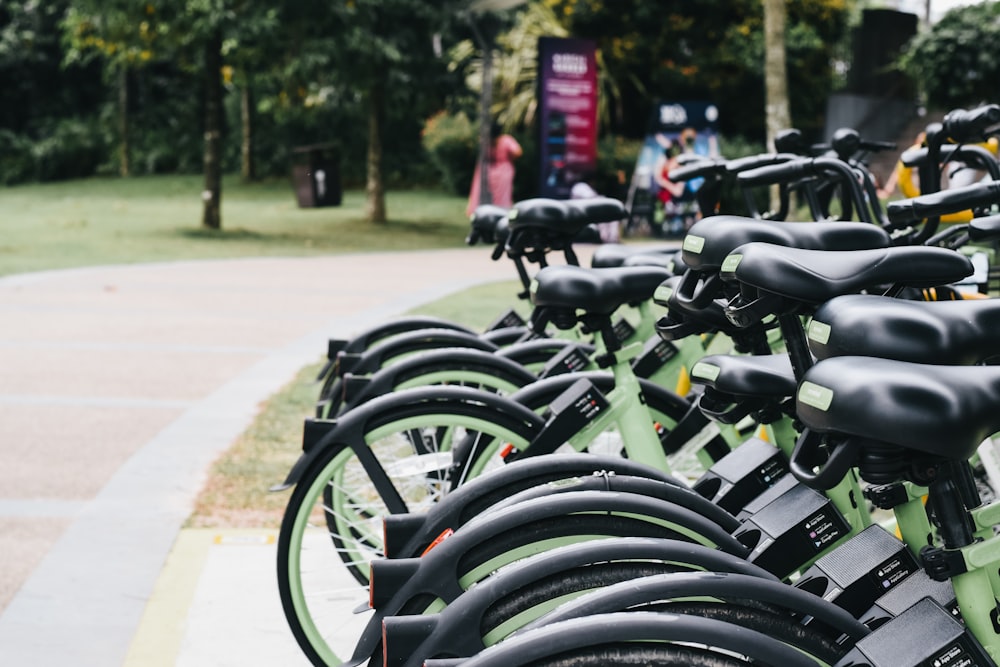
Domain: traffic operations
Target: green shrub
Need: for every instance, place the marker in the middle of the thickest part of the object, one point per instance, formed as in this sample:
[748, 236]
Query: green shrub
[451, 144]
[68, 148]
[16, 162]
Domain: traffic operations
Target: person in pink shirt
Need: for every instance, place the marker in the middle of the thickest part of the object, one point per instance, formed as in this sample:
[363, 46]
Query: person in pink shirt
[504, 150]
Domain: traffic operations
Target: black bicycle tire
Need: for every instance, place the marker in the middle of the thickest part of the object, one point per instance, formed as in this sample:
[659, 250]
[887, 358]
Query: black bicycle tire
[749, 614]
[561, 584]
[630, 654]
[810, 639]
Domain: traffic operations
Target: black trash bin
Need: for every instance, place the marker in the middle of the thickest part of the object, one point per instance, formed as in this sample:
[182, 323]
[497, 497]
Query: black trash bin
[316, 175]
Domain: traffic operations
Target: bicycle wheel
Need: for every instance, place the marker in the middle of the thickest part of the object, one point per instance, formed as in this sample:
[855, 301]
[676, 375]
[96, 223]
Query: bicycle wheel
[337, 500]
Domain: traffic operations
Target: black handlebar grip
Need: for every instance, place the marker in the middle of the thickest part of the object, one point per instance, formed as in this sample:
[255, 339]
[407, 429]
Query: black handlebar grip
[909, 211]
[740, 164]
[874, 146]
[776, 173]
[968, 125]
[695, 170]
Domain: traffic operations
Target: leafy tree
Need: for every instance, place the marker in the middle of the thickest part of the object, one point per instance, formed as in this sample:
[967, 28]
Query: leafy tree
[953, 61]
[515, 62]
[124, 35]
[711, 49]
[383, 51]
[45, 131]
[249, 53]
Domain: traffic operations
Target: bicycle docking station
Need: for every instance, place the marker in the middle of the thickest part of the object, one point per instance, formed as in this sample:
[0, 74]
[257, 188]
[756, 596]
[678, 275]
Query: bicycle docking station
[654, 356]
[908, 593]
[925, 635]
[566, 416]
[623, 329]
[507, 320]
[857, 573]
[788, 525]
[742, 475]
[570, 359]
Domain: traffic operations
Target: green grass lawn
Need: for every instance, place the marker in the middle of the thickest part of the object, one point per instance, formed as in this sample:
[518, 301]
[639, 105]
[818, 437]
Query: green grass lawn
[158, 218]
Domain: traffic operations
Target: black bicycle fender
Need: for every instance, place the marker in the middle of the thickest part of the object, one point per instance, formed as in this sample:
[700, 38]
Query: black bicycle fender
[349, 430]
[375, 356]
[385, 379]
[449, 630]
[435, 573]
[409, 535]
[398, 326]
[438, 574]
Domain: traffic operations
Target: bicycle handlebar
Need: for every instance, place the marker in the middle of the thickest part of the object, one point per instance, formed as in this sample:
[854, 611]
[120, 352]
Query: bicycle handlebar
[912, 211]
[741, 164]
[777, 173]
[969, 125]
[700, 169]
[817, 166]
[977, 156]
[875, 146]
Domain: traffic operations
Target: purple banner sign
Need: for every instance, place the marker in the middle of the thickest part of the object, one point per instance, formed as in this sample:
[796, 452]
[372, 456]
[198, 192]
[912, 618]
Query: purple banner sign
[567, 94]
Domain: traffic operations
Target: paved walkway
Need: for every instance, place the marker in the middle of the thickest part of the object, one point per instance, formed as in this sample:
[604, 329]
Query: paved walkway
[118, 388]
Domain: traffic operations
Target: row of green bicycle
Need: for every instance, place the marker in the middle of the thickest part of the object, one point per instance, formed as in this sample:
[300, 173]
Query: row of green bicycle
[713, 295]
[499, 578]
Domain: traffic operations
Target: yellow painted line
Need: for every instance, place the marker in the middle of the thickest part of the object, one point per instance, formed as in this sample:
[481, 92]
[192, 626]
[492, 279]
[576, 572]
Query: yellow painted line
[158, 639]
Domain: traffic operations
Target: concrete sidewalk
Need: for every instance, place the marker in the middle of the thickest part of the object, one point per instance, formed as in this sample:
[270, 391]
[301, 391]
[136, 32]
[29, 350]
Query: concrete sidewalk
[118, 388]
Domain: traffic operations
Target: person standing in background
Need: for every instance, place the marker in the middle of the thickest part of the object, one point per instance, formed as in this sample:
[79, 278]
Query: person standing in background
[504, 150]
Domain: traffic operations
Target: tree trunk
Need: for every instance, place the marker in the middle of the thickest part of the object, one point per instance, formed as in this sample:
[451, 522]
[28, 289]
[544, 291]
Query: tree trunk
[248, 168]
[124, 145]
[485, 127]
[775, 75]
[375, 188]
[212, 194]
